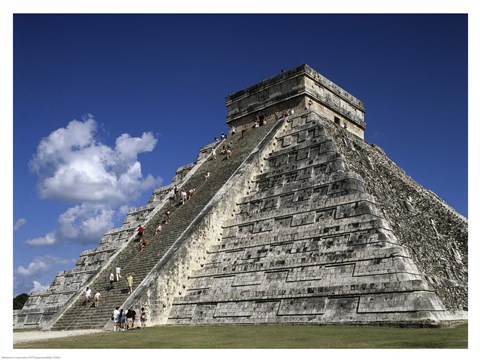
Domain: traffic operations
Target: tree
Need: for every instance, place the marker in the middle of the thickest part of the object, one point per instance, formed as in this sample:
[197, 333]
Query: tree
[19, 301]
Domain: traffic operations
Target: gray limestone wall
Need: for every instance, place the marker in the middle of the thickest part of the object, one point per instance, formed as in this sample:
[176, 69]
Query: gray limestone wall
[435, 235]
[307, 242]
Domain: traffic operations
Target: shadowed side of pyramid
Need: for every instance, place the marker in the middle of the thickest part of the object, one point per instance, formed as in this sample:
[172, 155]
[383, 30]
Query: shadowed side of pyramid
[433, 233]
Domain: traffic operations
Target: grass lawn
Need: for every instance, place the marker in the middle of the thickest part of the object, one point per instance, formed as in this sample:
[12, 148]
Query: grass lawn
[265, 337]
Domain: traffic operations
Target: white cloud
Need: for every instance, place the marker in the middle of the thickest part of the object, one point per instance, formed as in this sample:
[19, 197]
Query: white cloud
[19, 224]
[73, 166]
[34, 267]
[48, 239]
[38, 287]
[40, 265]
[123, 210]
[127, 147]
[84, 224]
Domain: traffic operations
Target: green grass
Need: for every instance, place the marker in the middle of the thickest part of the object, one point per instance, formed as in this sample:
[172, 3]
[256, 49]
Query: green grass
[265, 337]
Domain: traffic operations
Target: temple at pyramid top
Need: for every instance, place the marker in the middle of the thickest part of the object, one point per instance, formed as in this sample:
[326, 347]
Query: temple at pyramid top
[301, 88]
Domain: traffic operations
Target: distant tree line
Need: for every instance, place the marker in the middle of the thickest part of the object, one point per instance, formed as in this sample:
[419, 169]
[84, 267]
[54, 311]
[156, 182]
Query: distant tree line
[19, 301]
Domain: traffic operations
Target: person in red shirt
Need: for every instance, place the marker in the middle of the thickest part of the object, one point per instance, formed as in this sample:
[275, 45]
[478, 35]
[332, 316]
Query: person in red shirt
[140, 231]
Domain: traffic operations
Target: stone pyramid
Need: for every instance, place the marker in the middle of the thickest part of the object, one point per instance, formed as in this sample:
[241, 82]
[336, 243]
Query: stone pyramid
[305, 223]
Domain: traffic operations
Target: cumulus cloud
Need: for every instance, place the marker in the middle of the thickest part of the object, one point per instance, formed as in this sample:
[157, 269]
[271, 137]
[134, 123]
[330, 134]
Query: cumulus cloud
[48, 239]
[73, 166]
[38, 287]
[19, 224]
[123, 210]
[26, 279]
[40, 265]
[84, 224]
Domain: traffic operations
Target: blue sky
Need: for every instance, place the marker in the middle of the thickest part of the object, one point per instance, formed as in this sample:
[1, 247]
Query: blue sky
[107, 107]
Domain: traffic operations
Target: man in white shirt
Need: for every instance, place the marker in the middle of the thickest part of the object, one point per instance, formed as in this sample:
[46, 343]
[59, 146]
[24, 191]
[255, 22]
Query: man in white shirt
[117, 273]
[115, 315]
[88, 295]
[97, 298]
[112, 279]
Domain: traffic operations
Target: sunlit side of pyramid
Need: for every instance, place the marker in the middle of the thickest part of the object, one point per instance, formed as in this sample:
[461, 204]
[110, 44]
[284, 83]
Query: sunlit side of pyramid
[306, 223]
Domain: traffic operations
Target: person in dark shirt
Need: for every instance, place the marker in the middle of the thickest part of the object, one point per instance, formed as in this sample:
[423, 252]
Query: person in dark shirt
[143, 317]
[131, 318]
[121, 320]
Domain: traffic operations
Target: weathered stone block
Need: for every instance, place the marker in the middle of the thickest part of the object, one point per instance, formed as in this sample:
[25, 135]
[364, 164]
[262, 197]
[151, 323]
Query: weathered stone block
[310, 306]
[234, 309]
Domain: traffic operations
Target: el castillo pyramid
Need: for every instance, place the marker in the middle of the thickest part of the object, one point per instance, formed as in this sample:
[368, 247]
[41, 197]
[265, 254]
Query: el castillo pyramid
[305, 222]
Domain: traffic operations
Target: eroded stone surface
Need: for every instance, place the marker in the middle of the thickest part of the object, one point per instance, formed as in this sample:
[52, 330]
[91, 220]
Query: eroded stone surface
[312, 242]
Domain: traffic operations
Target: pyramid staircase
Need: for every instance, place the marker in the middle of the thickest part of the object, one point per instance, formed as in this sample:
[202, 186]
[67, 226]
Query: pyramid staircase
[140, 263]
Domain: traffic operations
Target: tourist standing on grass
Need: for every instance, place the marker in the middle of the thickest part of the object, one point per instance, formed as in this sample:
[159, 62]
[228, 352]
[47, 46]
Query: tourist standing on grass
[131, 318]
[143, 317]
[121, 320]
[115, 316]
[130, 283]
[128, 318]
